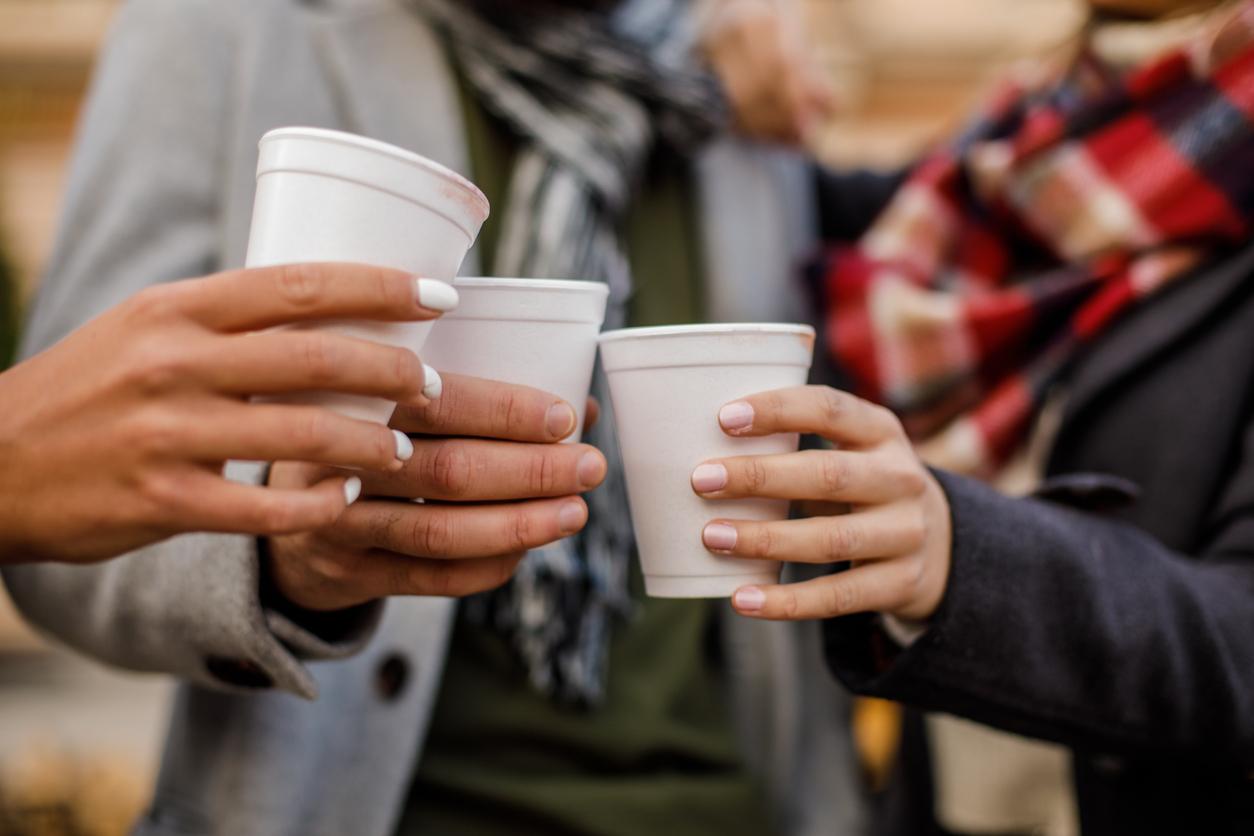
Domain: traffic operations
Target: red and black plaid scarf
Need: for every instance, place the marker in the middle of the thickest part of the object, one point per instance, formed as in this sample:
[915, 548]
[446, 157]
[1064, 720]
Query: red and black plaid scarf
[1066, 203]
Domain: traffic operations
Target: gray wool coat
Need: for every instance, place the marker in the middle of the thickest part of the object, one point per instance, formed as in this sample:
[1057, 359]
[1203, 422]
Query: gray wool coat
[276, 731]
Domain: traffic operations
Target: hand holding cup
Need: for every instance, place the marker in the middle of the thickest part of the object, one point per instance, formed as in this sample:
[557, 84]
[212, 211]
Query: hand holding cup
[495, 482]
[871, 503]
[116, 436]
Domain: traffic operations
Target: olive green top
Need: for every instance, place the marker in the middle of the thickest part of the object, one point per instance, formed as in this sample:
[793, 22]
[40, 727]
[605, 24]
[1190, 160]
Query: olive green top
[659, 756]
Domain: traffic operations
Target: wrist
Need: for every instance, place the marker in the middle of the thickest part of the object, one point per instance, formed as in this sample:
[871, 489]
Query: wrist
[330, 626]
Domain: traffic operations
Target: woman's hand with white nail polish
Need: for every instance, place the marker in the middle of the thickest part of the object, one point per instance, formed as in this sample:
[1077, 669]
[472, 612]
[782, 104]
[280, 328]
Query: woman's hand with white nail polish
[117, 436]
[872, 506]
[495, 483]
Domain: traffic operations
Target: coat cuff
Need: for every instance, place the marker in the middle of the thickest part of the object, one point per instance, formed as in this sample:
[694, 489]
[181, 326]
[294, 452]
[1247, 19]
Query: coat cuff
[248, 642]
[869, 659]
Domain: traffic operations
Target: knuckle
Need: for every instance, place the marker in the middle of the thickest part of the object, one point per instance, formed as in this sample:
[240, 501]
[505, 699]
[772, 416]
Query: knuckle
[916, 574]
[833, 473]
[541, 473]
[492, 575]
[158, 432]
[446, 411]
[520, 532]
[154, 303]
[508, 410]
[386, 530]
[320, 356]
[789, 603]
[843, 597]
[158, 369]
[160, 495]
[383, 446]
[913, 480]
[439, 580]
[403, 577]
[434, 535]
[889, 419]
[276, 517]
[332, 568]
[299, 285]
[451, 470]
[392, 289]
[407, 372]
[311, 432]
[833, 405]
[841, 540]
[762, 542]
[770, 406]
[755, 475]
[914, 529]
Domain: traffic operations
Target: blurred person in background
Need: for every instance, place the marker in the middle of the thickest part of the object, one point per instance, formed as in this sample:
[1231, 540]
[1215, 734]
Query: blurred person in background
[1059, 306]
[566, 702]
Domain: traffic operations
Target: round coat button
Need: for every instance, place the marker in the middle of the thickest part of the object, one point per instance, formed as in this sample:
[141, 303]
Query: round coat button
[391, 676]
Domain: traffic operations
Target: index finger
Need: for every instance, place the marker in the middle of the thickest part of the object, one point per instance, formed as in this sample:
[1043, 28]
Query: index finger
[477, 408]
[819, 410]
[263, 297]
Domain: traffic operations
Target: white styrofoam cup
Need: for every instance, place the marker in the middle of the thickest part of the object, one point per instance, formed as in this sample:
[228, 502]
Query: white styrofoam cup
[540, 333]
[667, 386]
[331, 196]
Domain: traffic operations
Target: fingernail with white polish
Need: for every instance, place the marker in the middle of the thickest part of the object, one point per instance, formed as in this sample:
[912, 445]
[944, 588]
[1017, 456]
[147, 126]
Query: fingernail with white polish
[708, 478]
[352, 490]
[719, 537]
[749, 599]
[436, 295]
[433, 384]
[404, 447]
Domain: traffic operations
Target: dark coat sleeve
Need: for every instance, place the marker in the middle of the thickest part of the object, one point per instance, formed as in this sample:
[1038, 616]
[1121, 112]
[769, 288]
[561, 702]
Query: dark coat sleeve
[1072, 627]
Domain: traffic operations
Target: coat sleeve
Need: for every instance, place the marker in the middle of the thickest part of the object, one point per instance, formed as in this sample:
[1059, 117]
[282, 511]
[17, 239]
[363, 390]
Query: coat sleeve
[142, 207]
[1072, 627]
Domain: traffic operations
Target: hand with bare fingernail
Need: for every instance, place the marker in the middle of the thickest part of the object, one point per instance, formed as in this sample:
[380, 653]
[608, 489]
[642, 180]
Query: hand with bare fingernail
[885, 515]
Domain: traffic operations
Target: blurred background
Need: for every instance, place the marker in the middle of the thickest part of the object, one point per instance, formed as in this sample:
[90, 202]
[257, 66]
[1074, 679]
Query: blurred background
[78, 744]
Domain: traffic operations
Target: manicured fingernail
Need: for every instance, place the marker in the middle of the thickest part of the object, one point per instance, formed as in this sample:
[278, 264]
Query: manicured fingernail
[436, 295]
[572, 517]
[749, 599]
[590, 470]
[736, 417]
[719, 536]
[433, 384]
[352, 490]
[560, 421]
[404, 447]
[708, 478]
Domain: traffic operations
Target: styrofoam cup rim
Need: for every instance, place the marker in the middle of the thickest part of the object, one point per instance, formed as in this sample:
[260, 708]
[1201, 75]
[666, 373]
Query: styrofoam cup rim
[729, 328]
[557, 285]
[384, 149]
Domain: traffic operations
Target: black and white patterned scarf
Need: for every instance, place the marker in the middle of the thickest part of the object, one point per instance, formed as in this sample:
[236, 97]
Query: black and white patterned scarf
[590, 92]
